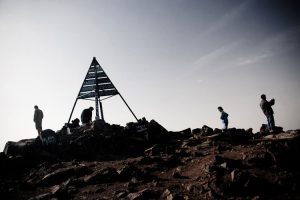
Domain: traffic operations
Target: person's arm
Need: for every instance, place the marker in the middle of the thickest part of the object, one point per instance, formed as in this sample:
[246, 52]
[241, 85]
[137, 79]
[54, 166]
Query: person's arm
[34, 116]
[223, 116]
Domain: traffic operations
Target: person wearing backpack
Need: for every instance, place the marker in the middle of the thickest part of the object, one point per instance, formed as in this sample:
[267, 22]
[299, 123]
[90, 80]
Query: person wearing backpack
[86, 115]
[224, 118]
[266, 107]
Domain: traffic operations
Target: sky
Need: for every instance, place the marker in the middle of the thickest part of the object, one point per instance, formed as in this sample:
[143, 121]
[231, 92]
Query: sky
[174, 61]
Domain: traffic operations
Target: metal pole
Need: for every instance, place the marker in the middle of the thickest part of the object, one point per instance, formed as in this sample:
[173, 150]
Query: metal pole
[128, 107]
[72, 110]
[96, 93]
[118, 93]
[79, 92]
[96, 105]
[101, 109]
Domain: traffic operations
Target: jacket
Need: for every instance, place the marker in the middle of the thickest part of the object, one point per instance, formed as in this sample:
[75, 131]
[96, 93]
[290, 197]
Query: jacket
[38, 116]
[86, 116]
[224, 116]
[266, 106]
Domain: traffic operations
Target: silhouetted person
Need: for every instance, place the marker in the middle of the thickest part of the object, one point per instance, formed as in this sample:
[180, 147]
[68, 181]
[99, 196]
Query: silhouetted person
[224, 118]
[266, 107]
[74, 124]
[86, 115]
[37, 118]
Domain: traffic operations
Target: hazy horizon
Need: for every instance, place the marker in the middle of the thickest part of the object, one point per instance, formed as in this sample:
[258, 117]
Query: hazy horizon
[174, 61]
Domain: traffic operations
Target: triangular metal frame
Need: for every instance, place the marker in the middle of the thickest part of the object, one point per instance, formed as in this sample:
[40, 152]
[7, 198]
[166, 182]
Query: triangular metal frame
[97, 84]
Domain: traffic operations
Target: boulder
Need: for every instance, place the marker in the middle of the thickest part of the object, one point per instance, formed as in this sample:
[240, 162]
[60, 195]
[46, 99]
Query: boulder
[105, 175]
[177, 173]
[156, 132]
[57, 176]
[167, 195]
[129, 171]
[99, 126]
[22, 148]
[263, 160]
[206, 131]
[196, 131]
[48, 137]
[143, 195]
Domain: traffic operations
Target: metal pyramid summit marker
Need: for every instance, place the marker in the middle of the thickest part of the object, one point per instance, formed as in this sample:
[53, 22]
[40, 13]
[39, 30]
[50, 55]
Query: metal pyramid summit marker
[96, 83]
[95, 86]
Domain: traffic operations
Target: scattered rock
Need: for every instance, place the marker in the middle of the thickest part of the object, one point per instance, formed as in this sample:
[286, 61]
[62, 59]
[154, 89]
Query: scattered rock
[127, 172]
[143, 194]
[151, 162]
[57, 176]
[102, 176]
[167, 195]
[177, 173]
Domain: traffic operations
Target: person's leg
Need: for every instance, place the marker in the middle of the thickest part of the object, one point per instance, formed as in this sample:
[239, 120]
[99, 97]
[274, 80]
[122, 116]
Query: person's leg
[272, 122]
[225, 125]
[268, 119]
[39, 129]
[40, 133]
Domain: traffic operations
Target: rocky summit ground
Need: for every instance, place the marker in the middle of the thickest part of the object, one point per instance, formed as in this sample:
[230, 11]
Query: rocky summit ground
[145, 161]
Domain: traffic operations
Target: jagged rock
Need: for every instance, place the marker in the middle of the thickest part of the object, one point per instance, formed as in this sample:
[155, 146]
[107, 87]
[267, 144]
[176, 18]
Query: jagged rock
[176, 192]
[148, 160]
[121, 194]
[186, 133]
[232, 165]
[262, 160]
[147, 176]
[217, 131]
[173, 161]
[264, 130]
[23, 147]
[167, 195]
[249, 130]
[152, 151]
[44, 196]
[127, 172]
[195, 189]
[157, 132]
[99, 126]
[183, 152]
[57, 176]
[227, 162]
[48, 137]
[206, 131]
[60, 191]
[177, 173]
[143, 195]
[196, 131]
[82, 170]
[132, 184]
[78, 182]
[102, 176]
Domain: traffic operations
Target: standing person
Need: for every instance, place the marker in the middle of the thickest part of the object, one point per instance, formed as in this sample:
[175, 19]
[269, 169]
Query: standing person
[266, 107]
[224, 118]
[37, 118]
[86, 115]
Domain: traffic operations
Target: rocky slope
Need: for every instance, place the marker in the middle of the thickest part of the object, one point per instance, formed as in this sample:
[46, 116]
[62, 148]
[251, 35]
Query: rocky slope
[145, 161]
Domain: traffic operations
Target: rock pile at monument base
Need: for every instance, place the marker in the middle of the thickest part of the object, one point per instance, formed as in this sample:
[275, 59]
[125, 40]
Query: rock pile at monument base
[145, 161]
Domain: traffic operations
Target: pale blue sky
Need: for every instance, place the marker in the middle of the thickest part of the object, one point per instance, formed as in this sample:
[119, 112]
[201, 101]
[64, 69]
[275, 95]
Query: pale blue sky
[174, 61]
